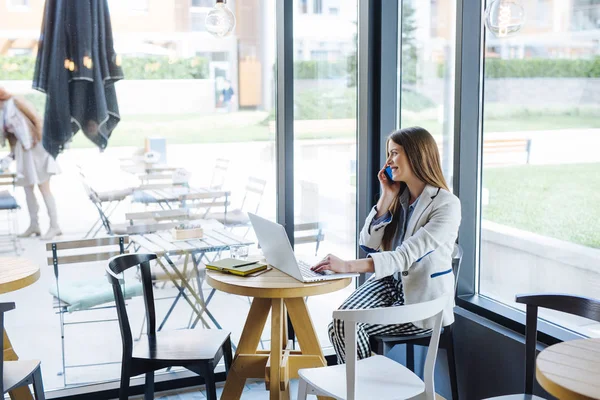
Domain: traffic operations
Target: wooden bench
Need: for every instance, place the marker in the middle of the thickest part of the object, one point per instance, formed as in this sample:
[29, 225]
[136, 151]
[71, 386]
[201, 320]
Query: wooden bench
[512, 151]
[519, 148]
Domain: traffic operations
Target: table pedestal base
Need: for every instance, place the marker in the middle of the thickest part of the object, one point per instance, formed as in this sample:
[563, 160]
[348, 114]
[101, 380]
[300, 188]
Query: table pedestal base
[279, 364]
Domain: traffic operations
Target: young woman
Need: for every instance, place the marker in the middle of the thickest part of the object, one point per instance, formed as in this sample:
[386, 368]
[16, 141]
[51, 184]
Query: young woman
[409, 237]
[22, 127]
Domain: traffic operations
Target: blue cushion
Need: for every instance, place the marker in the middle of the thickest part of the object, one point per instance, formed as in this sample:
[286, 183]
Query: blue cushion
[81, 295]
[140, 196]
[8, 202]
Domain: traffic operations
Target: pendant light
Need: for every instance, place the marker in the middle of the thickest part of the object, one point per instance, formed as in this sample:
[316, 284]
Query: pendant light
[220, 21]
[504, 18]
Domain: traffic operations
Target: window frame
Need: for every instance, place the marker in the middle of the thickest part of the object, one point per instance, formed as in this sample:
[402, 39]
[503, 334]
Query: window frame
[468, 151]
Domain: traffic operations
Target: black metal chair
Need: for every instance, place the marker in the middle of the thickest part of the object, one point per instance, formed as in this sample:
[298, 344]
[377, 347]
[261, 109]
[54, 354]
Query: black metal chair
[382, 344]
[198, 350]
[581, 306]
[15, 374]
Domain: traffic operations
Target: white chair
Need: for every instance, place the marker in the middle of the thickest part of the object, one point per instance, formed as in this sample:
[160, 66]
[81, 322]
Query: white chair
[376, 377]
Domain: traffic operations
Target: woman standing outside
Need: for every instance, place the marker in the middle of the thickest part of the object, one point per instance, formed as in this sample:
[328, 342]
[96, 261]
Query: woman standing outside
[22, 127]
[409, 237]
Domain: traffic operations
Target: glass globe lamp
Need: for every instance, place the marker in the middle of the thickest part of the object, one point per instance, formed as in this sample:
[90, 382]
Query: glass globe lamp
[220, 21]
[504, 18]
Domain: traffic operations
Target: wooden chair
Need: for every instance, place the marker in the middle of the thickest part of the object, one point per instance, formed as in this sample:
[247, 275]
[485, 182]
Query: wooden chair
[376, 377]
[198, 350]
[89, 294]
[219, 174]
[382, 344]
[15, 374]
[581, 306]
[9, 204]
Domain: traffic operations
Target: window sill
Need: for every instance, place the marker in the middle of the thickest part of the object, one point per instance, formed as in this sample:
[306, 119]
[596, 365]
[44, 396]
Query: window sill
[513, 319]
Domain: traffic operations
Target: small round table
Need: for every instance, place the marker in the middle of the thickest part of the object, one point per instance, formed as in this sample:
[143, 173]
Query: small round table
[273, 291]
[570, 370]
[16, 273]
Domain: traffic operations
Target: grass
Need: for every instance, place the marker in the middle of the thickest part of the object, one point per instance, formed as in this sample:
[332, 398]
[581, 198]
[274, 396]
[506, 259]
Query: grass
[221, 128]
[559, 201]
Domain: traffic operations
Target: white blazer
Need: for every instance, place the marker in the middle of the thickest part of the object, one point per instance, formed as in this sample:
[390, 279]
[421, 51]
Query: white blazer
[424, 258]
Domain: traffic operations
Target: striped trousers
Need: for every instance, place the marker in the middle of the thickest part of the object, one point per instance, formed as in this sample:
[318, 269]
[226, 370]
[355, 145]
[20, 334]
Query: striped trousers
[374, 293]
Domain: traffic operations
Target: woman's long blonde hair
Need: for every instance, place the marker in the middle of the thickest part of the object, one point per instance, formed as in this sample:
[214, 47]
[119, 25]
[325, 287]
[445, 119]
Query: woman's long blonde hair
[424, 160]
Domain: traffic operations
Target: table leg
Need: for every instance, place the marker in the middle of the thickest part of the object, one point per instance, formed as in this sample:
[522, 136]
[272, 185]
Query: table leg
[23, 392]
[277, 320]
[246, 364]
[307, 337]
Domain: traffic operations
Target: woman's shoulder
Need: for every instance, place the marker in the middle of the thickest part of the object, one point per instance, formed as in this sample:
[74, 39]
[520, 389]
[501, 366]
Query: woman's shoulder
[446, 196]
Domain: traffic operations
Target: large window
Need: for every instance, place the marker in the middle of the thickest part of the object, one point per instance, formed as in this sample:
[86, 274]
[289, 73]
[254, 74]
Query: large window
[207, 106]
[541, 165]
[325, 96]
[427, 40]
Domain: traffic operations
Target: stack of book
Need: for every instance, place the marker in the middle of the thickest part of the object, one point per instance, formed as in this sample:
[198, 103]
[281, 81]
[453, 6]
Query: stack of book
[236, 266]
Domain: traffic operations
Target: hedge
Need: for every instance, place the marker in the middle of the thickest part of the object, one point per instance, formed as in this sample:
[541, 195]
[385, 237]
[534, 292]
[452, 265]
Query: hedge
[538, 68]
[21, 68]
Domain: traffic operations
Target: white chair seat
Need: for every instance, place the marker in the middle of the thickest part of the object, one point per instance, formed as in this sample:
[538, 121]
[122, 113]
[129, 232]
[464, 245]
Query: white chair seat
[378, 377]
[114, 195]
[15, 372]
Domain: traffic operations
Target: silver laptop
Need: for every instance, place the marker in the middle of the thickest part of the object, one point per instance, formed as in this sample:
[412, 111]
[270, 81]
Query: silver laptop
[278, 251]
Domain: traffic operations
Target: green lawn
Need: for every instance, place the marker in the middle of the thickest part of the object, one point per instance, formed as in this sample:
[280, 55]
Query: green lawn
[559, 201]
[189, 128]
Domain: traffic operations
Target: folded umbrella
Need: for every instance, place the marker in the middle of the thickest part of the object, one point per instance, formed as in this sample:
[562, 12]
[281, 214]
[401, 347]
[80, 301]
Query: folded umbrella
[77, 68]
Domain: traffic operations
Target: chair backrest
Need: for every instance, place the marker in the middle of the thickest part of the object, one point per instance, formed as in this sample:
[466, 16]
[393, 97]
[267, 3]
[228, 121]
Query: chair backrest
[577, 305]
[4, 307]
[387, 316]
[309, 232]
[116, 266]
[255, 188]
[84, 251]
[8, 179]
[457, 255]
[153, 221]
[219, 173]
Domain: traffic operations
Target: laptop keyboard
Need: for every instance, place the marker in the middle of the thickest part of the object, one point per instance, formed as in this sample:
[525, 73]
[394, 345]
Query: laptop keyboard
[306, 271]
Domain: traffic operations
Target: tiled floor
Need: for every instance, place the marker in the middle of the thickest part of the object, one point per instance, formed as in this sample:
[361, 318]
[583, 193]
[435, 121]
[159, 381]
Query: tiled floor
[254, 390]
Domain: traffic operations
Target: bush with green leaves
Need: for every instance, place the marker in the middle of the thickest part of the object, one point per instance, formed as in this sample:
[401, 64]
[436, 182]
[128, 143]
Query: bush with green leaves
[538, 68]
[22, 68]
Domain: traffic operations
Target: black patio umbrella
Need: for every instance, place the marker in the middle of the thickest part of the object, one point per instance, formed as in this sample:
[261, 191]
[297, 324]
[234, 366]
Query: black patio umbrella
[77, 67]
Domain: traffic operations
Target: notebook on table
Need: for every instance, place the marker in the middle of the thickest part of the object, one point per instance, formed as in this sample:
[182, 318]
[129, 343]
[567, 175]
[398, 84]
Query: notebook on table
[236, 266]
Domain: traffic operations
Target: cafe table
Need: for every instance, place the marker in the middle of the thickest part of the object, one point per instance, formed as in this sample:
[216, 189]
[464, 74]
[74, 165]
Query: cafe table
[273, 292]
[570, 370]
[16, 273]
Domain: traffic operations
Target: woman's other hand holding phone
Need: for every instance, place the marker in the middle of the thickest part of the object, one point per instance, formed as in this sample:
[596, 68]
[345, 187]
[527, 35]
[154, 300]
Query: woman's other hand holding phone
[389, 191]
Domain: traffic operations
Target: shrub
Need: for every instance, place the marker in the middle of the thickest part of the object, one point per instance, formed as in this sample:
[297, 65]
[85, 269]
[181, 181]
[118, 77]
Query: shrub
[538, 68]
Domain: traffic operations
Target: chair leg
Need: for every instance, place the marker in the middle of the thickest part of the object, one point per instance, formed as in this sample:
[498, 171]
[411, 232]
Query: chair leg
[302, 389]
[227, 355]
[410, 356]
[149, 387]
[125, 375]
[38, 384]
[452, 368]
[209, 379]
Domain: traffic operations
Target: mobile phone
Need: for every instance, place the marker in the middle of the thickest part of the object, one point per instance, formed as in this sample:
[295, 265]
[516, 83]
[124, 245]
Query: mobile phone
[388, 173]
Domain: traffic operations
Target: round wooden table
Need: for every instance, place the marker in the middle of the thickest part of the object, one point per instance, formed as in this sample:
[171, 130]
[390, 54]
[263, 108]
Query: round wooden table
[570, 370]
[16, 273]
[273, 292]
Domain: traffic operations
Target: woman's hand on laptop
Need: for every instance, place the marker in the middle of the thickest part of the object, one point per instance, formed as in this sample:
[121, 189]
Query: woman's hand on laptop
[336, 264]
[331, 263]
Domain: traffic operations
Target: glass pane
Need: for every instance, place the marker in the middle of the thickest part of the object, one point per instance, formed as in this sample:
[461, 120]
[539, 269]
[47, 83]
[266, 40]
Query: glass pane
[427, 72]
[325, 143]
[200, 104]
[541, 166]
